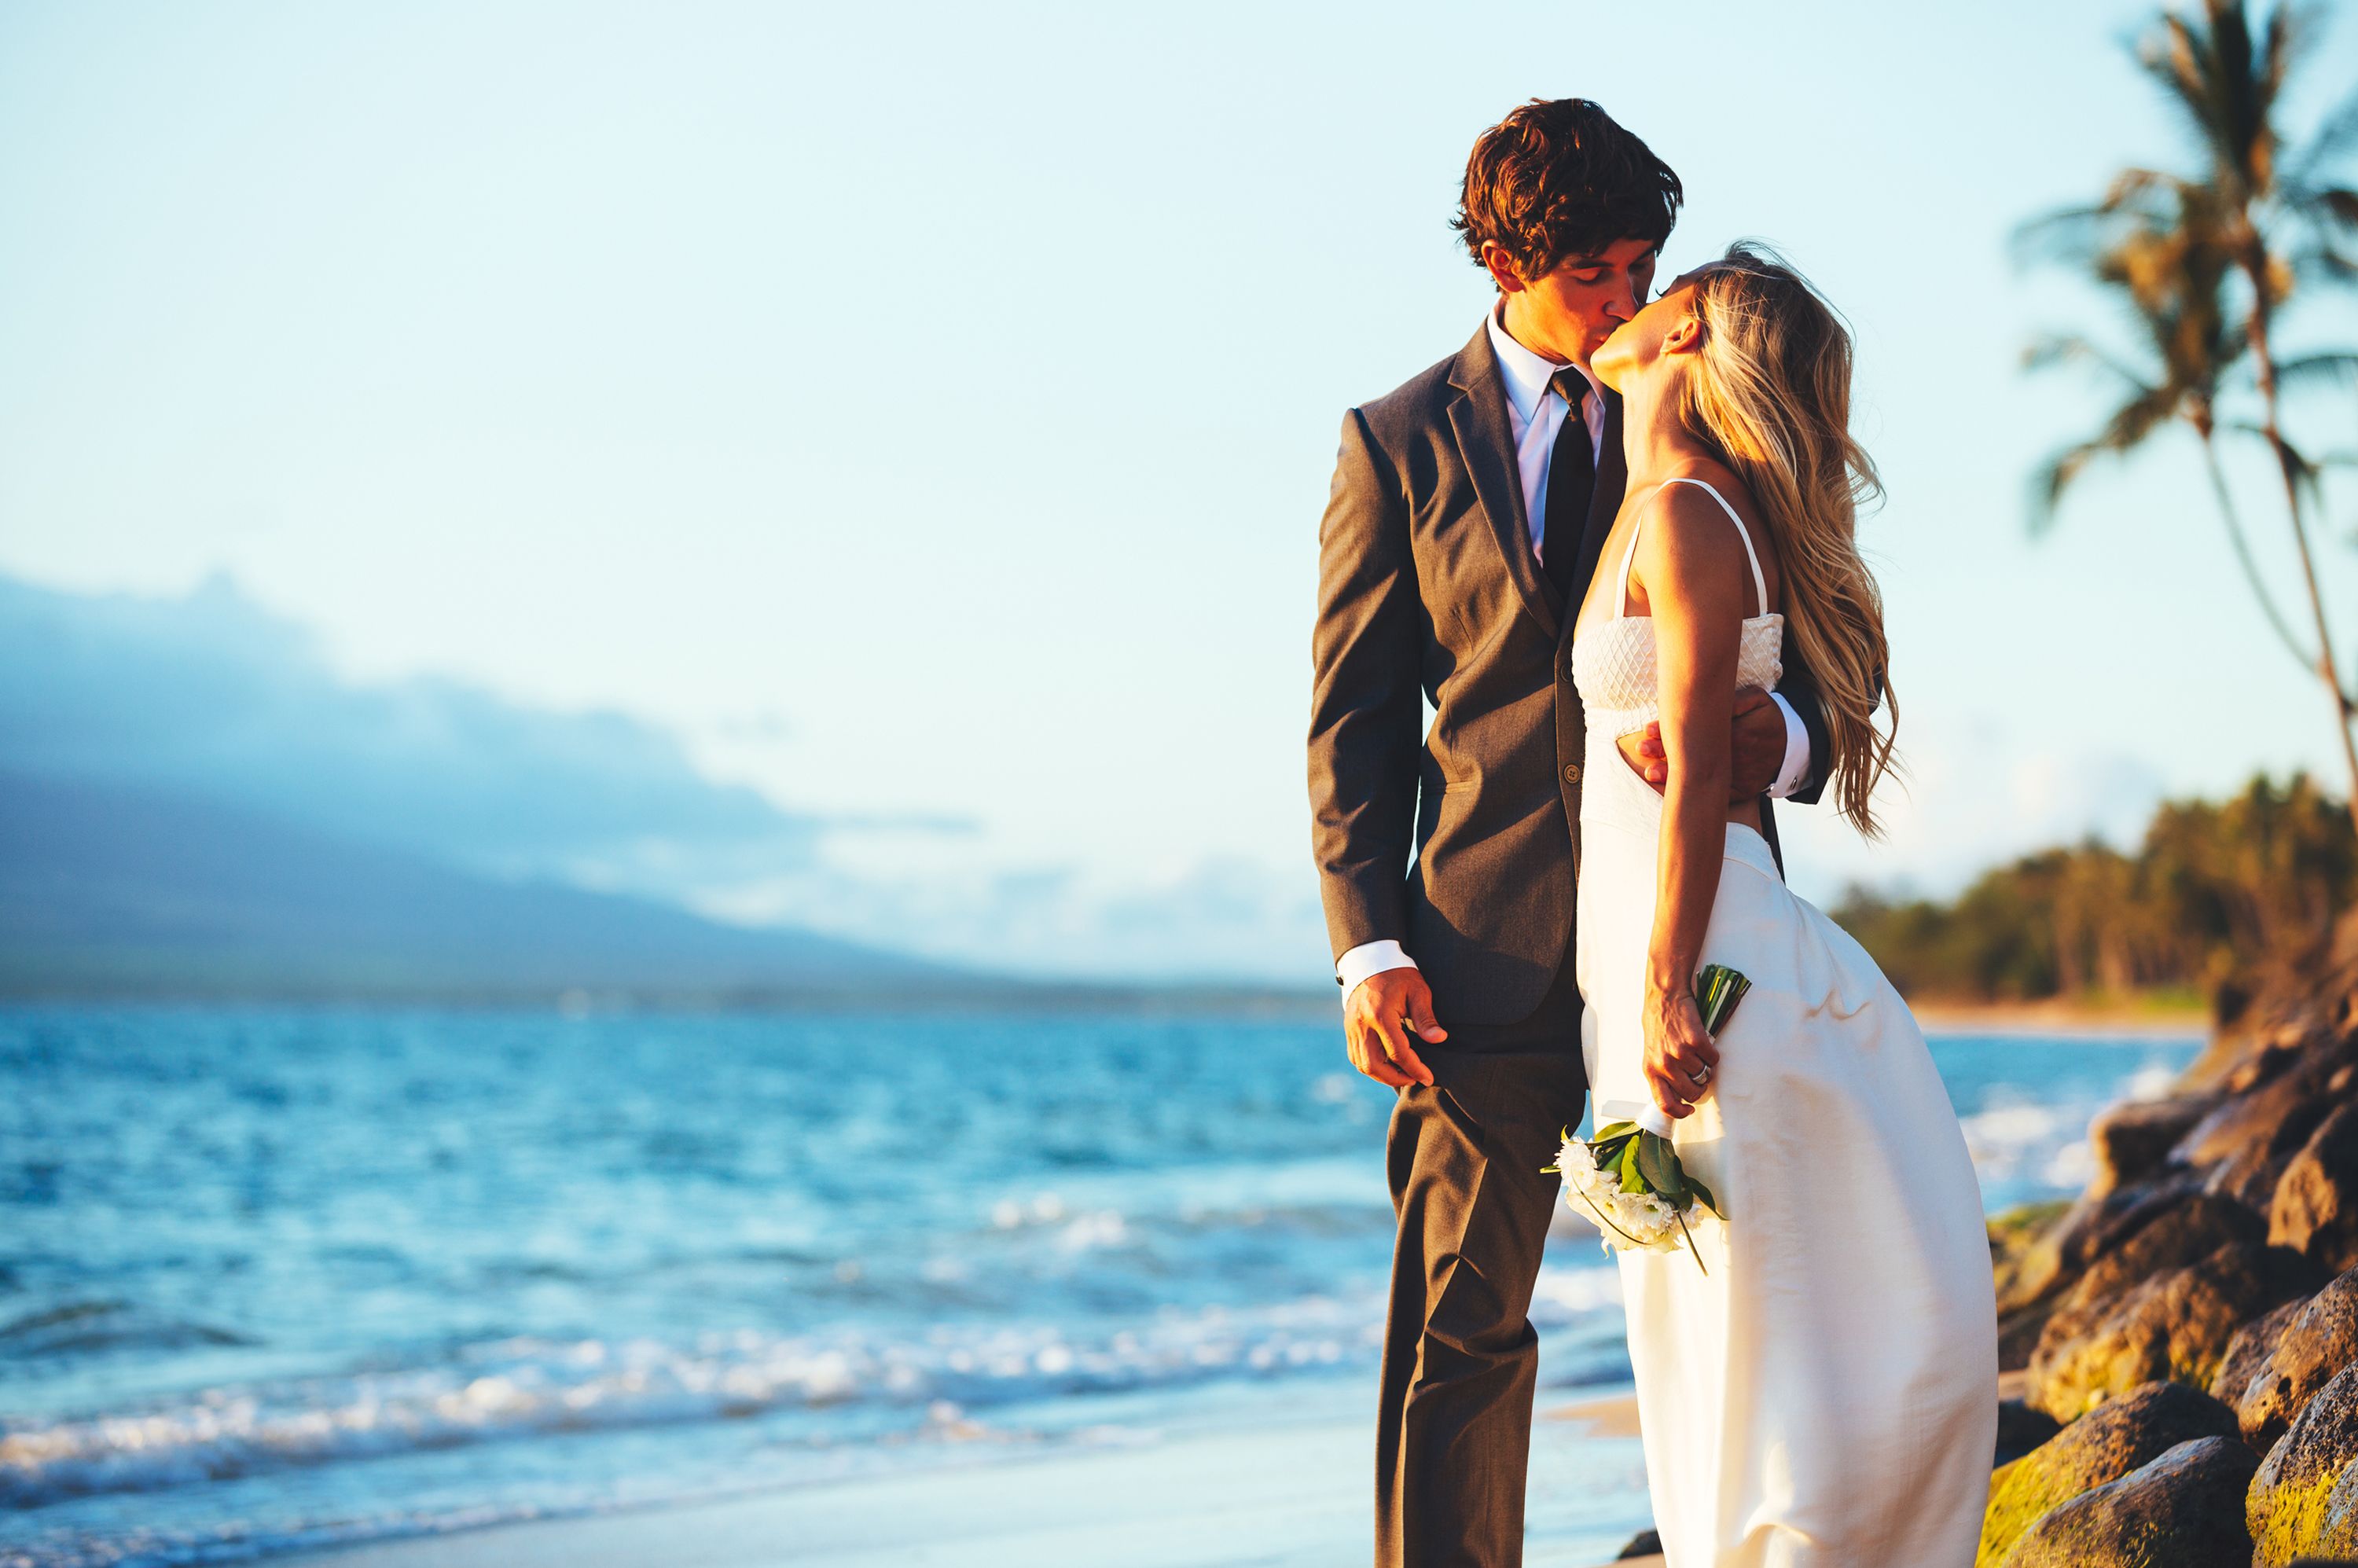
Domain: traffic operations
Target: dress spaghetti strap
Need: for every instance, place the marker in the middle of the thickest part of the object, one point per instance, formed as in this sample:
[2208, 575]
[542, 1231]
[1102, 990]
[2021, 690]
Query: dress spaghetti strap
[1760, 583]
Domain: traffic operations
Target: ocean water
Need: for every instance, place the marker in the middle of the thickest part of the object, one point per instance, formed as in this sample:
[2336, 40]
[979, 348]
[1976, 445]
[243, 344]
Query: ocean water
[277, 1278]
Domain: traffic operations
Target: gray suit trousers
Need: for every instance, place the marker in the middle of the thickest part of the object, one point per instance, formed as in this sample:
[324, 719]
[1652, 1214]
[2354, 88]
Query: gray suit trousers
[1461, 1359]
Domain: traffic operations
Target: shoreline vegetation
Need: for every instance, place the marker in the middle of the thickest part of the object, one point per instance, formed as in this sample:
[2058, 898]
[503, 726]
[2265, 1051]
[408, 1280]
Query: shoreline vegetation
[2206, 913]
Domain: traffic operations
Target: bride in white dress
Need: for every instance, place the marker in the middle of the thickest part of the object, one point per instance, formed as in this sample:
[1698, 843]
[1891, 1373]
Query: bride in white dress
[1824, 1394]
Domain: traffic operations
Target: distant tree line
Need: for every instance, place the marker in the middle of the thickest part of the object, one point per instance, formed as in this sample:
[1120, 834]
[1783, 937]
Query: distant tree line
[2215, 897]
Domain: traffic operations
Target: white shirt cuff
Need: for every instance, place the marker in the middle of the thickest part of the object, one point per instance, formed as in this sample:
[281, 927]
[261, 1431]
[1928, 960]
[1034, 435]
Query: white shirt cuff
[1369, 958]
[1797, 751]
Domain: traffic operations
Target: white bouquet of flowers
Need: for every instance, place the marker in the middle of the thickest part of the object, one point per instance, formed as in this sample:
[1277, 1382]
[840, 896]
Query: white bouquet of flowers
[1629, 1176]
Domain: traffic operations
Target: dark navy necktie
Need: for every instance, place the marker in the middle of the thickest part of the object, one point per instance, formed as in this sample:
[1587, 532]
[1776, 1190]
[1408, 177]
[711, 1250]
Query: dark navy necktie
[1571, 482]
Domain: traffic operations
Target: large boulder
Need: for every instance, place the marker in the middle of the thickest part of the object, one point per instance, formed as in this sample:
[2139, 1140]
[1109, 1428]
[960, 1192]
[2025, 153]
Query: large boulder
[2103, 1445]
[2131, 1140]
[1646, 1542]
[2297, 1506]
[2022, 1249]
[2315, 1341]
[2025, 1265]
[2275, 1101]
[2315, 1210]
[2249, 1353]
[2171, 1231]
[2097, 1226]
[2175, 1325]
[2184, 1510]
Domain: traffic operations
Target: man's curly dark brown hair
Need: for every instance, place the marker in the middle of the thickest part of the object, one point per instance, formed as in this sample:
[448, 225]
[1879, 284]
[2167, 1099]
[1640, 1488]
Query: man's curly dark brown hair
[1559, 178]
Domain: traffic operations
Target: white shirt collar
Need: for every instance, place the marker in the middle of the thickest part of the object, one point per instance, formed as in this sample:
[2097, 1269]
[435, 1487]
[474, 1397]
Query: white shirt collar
[1526, 374]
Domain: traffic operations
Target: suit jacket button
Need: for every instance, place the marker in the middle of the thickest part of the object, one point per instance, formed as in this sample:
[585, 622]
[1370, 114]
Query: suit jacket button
[1572, 773]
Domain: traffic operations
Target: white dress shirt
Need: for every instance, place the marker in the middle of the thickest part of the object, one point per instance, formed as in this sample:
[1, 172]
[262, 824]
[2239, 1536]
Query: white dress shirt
[1535, 413]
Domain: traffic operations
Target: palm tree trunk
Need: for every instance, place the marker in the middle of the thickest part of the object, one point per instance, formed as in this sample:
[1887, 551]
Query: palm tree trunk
[2328, 671]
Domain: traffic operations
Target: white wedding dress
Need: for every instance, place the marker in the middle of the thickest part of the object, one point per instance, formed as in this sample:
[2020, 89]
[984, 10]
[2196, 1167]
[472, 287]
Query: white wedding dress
[1825, 1396]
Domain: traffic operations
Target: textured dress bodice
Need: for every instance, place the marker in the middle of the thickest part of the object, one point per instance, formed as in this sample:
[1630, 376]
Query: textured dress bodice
[1613, 665]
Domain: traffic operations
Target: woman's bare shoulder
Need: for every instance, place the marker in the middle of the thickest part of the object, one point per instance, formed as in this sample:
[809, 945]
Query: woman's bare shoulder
[1694, 501]
[1690, 533]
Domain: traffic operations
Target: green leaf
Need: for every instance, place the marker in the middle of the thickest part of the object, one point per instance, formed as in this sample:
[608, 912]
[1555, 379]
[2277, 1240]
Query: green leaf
[1717, 990]
[1632, 1179]
[1612, 1129]
[1660, 1163]
[1694, 1184]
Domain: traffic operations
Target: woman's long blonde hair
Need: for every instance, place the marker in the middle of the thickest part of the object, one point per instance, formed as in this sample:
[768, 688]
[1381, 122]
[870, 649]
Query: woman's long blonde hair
[1770, 392]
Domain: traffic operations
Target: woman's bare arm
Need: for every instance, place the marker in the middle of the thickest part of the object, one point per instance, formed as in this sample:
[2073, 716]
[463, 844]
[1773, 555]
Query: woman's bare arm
[1695, 571]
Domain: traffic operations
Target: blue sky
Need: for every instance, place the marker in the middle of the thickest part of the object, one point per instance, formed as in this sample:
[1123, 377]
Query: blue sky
[923, 413]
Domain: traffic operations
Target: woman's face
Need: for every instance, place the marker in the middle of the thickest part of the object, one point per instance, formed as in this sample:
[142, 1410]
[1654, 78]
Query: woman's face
[1650, 342]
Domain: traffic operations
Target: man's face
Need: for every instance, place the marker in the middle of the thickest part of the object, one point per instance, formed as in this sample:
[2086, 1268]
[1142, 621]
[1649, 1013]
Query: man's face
[1568, 310]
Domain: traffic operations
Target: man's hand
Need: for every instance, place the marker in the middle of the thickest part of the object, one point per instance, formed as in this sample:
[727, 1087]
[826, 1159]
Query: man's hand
[1756, 748]
[1378, 1018]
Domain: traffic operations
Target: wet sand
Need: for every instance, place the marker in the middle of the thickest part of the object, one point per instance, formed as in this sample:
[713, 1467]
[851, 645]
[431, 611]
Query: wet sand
[1281, 1496]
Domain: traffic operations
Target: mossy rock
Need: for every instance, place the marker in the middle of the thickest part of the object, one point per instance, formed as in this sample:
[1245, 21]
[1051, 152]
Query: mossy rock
[2298, 1505]
[2185, 1228]
[2184, 1509]
[2173, 1325]
[2316, 1339]
[2104, 1445]
[2023, 1257]
[2243, 1146]
[2098, 1226]
[2340, 1527]
[2315, 1210]
[2131, 1140]
[2248, 1352]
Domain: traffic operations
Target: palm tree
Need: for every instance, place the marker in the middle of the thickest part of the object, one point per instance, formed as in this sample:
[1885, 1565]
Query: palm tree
[2164, 257]
[2277, 222]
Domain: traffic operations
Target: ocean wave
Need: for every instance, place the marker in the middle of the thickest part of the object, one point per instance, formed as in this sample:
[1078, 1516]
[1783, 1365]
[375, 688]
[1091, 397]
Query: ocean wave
[84, 1327]
[530, 1387]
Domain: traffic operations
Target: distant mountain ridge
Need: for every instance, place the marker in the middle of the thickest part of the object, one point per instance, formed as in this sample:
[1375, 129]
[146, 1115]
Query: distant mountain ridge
[201, 803]
[116, 890]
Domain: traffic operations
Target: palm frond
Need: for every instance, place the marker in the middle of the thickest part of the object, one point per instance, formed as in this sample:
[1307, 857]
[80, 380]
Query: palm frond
[2127, 430]
[2322, 264]
[2340, 367]
[2051, 479]
[2170, 55]
[2327, 207]
[2137, 198]
[2065, 235]
[2061, 348]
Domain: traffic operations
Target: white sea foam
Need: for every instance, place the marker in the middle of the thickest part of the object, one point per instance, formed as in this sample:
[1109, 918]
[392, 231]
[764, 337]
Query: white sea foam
[532, 1387]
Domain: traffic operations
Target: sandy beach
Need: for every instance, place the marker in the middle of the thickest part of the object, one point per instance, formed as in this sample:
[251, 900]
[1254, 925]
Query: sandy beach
[1279, 1496]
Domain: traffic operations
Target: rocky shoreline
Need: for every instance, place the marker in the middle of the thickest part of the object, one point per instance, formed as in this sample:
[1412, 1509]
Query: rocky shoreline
[2180, 1343]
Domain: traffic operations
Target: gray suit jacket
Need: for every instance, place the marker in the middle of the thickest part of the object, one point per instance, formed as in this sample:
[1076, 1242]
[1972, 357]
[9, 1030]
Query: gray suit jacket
[1428, 591]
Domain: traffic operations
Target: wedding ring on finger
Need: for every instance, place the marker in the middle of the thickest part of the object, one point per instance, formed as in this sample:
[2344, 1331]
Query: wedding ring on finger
[1702, 1075]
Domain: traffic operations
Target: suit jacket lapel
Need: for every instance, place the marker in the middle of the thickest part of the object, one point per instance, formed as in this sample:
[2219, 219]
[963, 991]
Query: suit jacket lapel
[1485, 444]
[1604, 504]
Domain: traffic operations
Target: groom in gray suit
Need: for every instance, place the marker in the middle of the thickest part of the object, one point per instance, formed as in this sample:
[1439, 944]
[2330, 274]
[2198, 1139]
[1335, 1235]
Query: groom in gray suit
[1468, 510]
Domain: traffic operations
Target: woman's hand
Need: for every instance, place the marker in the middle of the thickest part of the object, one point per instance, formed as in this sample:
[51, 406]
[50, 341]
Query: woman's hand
[1677, 1046]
